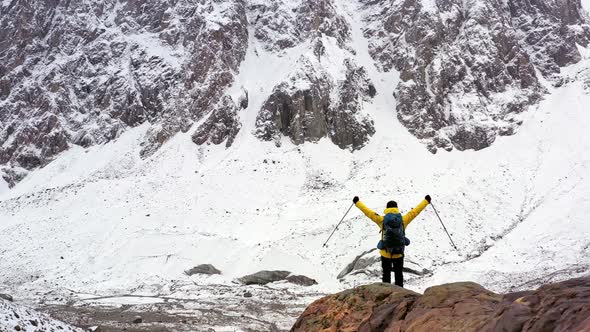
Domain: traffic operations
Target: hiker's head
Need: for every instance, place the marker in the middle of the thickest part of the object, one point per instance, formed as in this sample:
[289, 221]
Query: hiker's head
[391, 204]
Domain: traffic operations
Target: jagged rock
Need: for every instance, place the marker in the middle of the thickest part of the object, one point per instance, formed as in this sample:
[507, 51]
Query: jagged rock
[203, 269]
[467, 68]
[222, 125]
[137, 320]
[6, 297]
[264, 277]
[83, 72]
[283, 24]
[343, 120]
[463, 306]
[302, 109]
[301, 280]
[295, 111]
[551, 31]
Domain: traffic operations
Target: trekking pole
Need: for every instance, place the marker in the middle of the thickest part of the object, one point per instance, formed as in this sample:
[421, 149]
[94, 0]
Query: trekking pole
[338, 225]
[443, 225]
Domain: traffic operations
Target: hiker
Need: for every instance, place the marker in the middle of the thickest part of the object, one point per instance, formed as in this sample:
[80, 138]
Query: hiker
[393, 239]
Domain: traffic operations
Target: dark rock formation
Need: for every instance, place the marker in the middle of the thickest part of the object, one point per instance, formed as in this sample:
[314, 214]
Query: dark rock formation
[222, 125]
[465, 306]
[303, 109]
[6, 297]
[264, 277]
[203, 269]
[369, 263]
[346, 130]
[465, 67]
[301, 280]
[297, 108]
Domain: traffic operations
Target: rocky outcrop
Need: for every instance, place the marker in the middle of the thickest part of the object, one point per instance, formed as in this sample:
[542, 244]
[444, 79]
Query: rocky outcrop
[83, 72]
[301, 280]
[221, 126]
[465, 306]
[368, 263]
[284, 24]
[309, 106]
[550, 31]
[6, 297]
[266, 277]
[203, 269]
[467, 68]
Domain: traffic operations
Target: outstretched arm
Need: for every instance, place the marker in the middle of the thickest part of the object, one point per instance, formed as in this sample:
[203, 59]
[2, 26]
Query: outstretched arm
[408, 217]
[369, 213]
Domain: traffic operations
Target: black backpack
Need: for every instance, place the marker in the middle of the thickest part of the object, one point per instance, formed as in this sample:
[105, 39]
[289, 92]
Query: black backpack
[393, 238]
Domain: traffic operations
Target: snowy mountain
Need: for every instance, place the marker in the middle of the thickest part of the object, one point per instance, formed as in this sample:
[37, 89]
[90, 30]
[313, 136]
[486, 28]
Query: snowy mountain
[142, 138]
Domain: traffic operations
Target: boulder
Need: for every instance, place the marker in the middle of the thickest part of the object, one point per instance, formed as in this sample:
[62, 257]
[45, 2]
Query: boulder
[563, 306]
[301, 280]
[369, 263]
[367, 306]
[203, 269]
[462, 306]
[6, 297]
[264, 277]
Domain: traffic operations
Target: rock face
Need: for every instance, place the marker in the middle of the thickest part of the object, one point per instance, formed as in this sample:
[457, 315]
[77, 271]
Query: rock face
[314, 101]
[563, 306]
[467, 68]
[83, 72]
[304, 109]
[203, 269]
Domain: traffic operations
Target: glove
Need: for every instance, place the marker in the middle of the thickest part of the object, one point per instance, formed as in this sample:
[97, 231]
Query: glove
[428, 199]
[355, 199]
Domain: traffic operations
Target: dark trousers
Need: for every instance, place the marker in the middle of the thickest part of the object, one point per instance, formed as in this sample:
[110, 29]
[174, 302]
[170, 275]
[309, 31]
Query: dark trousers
[398, 270]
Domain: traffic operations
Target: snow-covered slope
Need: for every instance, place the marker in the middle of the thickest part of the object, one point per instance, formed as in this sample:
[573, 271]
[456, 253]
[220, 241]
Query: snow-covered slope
[14, 317]
[103, 220]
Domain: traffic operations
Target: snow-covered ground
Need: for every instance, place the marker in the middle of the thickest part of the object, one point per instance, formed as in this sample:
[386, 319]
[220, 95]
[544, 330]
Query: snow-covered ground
[102, 221]
[14, 317]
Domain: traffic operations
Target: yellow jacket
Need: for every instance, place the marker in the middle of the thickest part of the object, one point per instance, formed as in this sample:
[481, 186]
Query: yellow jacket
[407, 219]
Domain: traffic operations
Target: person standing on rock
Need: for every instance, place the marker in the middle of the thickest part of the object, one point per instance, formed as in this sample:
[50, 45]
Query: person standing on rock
[393, 240]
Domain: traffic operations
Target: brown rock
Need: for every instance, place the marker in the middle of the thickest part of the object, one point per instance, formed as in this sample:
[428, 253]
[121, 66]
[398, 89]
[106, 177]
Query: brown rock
[363, 308]
[463, 306]
[563, 306]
